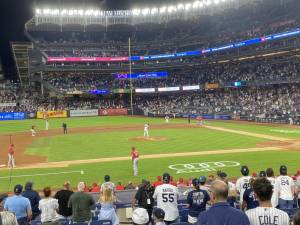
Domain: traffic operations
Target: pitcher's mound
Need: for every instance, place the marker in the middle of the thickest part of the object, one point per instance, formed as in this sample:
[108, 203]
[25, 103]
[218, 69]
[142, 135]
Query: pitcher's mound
[148, 139]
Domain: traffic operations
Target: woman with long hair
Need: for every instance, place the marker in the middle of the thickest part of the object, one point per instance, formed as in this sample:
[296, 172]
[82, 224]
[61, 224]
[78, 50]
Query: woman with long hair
[107, 211]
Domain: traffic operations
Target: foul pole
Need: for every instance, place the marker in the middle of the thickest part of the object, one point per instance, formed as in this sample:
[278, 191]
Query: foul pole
[130, 78]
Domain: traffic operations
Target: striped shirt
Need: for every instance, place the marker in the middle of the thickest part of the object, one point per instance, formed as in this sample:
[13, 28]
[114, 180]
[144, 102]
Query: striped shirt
[267, 216]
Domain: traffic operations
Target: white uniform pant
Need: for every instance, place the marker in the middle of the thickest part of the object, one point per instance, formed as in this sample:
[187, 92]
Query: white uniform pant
[33, 133]
[47, 126]
[11, 161]
[135, 163]
[167, 120]
[146, 133]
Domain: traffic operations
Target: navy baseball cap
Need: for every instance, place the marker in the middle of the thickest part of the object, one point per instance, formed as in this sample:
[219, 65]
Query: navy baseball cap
[106, 178]
[245, 170]
[18, 189]
[166, 177]
[283, 168]
[195, 182]
[202, 179]
[262, 174]
[159, 213]
[222, 175]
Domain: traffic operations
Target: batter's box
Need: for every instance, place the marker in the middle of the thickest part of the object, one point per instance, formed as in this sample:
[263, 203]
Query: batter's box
[202, 167]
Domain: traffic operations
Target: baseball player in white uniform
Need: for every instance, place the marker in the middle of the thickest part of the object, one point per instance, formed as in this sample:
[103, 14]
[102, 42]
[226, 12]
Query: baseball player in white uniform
[47, 124]
[265, 214]
[32, 130]
[243, 183]
[167, 119]
[146, 130]
[167, 196]
[286, 189]
[272, 179]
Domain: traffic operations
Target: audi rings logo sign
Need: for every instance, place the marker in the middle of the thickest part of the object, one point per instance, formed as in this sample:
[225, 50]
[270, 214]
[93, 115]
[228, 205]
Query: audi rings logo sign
[202, 167]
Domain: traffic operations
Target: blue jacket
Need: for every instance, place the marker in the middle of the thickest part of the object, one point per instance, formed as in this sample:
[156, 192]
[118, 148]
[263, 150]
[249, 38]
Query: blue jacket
[34, 199]
[222, 213]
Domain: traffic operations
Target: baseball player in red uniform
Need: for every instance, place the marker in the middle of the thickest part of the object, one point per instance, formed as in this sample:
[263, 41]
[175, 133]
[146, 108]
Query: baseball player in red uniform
[11, 159]
[135, 160]
[199, 120]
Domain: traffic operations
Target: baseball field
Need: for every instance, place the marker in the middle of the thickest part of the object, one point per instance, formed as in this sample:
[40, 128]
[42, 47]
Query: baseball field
[96, 146]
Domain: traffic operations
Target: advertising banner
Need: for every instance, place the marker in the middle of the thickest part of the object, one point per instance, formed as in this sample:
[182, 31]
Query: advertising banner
[79, 113]
[8, 104]
[212, 86]
[168, 89]
[145, 90]
[13, 116]
[121, 91]
[113, 112]
[52, 114]
[31, 115]
[87, 59]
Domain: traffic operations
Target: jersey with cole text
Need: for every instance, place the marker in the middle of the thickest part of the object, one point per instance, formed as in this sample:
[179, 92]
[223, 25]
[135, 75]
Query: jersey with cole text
[266, 216]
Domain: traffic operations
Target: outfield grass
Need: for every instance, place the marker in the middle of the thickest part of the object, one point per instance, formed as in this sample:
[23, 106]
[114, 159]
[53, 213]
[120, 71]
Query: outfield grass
[149, 169]
[286, 132]
[115, 144]
[25, 125]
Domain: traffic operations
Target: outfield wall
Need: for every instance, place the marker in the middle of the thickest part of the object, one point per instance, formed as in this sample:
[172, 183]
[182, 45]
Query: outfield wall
[62, 114]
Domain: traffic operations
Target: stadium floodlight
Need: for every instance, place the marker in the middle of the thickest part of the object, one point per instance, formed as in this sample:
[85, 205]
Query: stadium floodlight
[80, 12]
[196, 4]
[63, 12]
[154, 11]
[70, 12]
[46, 11]
[38, 11]
[208, 2]
[163, 9]
[89, 12]
[180, 6]
[54, 12]
[136, 12]
[146, 11]
[96, 13]
[188, 6]
[171, 9]
[216, 2]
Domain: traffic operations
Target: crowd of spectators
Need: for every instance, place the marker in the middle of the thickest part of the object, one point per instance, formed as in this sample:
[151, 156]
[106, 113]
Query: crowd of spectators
[257, 71]
[267, 102]
[244, 201]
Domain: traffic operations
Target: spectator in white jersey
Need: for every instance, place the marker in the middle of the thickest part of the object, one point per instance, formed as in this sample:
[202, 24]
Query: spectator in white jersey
[271, 178]
[243, 183]
[108, 184]
[266, 213]
[167, 196]
[286, 189]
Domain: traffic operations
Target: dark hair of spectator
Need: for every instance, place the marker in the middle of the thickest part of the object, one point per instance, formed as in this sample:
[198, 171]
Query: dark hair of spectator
[47, 192]
[263, 189]
[270, 172]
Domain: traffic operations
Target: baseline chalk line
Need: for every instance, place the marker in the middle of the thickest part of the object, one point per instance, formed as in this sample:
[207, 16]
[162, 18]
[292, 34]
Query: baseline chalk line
[43, 174]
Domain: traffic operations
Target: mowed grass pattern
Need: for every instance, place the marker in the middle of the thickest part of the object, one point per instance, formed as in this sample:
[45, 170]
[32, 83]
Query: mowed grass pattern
[9, 127]
[149, 169]
[114, 144]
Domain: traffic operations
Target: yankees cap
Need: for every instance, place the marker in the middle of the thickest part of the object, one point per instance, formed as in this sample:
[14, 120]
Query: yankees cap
[202, 179]
[18, 189]
[166, 177]
[159, 213]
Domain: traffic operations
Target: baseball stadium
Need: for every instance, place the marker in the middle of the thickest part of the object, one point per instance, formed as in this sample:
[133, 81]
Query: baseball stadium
[151, 90]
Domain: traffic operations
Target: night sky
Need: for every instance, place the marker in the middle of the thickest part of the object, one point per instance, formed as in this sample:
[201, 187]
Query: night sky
[15, 13]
